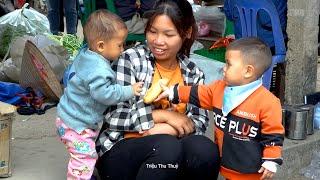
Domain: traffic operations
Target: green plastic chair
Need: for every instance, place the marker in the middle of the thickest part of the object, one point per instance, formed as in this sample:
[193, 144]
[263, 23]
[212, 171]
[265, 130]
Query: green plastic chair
[90, 6]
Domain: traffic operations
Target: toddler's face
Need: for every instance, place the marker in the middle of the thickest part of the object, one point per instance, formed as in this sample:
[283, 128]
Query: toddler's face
[113, 47]
[234, 70]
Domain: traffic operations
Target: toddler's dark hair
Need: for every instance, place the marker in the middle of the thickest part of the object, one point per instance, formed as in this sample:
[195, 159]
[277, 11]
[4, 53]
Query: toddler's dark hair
[254, 52]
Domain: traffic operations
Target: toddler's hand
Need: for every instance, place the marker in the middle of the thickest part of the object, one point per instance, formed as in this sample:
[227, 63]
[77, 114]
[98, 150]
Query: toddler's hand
[266, 173]
[268, 168]
[137, 88]
[166, 92]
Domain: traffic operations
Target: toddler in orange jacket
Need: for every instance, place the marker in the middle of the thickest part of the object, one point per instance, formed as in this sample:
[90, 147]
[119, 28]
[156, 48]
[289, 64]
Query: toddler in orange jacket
[248, 128]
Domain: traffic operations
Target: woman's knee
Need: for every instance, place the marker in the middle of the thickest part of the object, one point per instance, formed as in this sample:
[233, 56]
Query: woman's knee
[201, 149]
[168, 148]
[200, 158]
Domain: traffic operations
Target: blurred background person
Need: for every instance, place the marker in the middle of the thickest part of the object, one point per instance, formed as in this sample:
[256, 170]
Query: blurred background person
[55, 11]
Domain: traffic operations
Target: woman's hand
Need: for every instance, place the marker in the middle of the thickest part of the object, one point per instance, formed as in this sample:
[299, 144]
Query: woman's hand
[180, 122]
[161, 128]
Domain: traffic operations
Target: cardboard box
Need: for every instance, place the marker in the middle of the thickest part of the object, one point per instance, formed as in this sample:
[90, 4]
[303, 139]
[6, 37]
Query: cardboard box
[6, 118]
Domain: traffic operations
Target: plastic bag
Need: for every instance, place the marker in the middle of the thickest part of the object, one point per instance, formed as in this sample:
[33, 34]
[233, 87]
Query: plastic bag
[9, 91]
[33, 21]
[21, 22]
[196, 46]
[211, 69]
[210, 15]
[11, 70]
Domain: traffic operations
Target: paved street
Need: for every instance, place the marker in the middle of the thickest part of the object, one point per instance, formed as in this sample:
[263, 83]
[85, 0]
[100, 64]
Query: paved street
[37, 153]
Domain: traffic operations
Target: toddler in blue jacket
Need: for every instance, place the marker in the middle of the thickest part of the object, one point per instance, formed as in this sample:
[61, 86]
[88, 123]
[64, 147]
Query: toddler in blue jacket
[91, 89]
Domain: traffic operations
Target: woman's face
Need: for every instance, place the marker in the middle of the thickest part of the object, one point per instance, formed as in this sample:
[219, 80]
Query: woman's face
[163, 39]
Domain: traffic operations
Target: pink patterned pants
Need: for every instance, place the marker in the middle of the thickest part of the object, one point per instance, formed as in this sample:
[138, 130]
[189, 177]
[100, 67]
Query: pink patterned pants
[82, 150]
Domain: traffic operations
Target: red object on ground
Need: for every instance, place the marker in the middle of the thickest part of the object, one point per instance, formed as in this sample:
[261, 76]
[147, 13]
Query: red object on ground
[222, 42]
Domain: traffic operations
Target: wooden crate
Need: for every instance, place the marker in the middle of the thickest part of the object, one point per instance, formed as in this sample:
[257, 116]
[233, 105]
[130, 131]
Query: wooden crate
[6, 118]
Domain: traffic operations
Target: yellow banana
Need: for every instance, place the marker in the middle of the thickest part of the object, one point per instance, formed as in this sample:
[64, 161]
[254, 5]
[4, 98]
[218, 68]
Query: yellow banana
[154, 91]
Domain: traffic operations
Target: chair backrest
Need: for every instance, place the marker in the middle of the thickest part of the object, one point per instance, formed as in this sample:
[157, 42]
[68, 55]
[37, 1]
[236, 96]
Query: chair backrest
[248, 11]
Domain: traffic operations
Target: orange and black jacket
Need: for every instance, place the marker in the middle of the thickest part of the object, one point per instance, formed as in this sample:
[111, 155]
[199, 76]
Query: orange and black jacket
[250, 134]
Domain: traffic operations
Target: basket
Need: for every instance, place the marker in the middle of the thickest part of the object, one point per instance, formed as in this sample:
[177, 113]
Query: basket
[38, 74]
[6, 118]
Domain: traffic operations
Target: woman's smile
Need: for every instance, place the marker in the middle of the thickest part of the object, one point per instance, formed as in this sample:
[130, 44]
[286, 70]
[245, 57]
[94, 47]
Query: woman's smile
[158, 52]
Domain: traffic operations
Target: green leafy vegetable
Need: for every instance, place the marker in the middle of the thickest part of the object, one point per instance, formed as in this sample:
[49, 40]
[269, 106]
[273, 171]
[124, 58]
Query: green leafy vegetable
[71, 42]
[8, 34]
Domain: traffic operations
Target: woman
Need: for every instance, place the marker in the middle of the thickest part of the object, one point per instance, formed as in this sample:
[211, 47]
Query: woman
[158, 141]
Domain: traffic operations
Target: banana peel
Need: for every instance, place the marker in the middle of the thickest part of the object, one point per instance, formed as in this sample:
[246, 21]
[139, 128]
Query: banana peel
[154, 91]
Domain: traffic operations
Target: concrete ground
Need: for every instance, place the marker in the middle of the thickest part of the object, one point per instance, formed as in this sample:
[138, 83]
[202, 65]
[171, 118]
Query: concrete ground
[37, 153]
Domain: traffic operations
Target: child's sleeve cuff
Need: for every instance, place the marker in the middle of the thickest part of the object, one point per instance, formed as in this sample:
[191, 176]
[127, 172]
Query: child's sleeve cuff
[270, 165]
